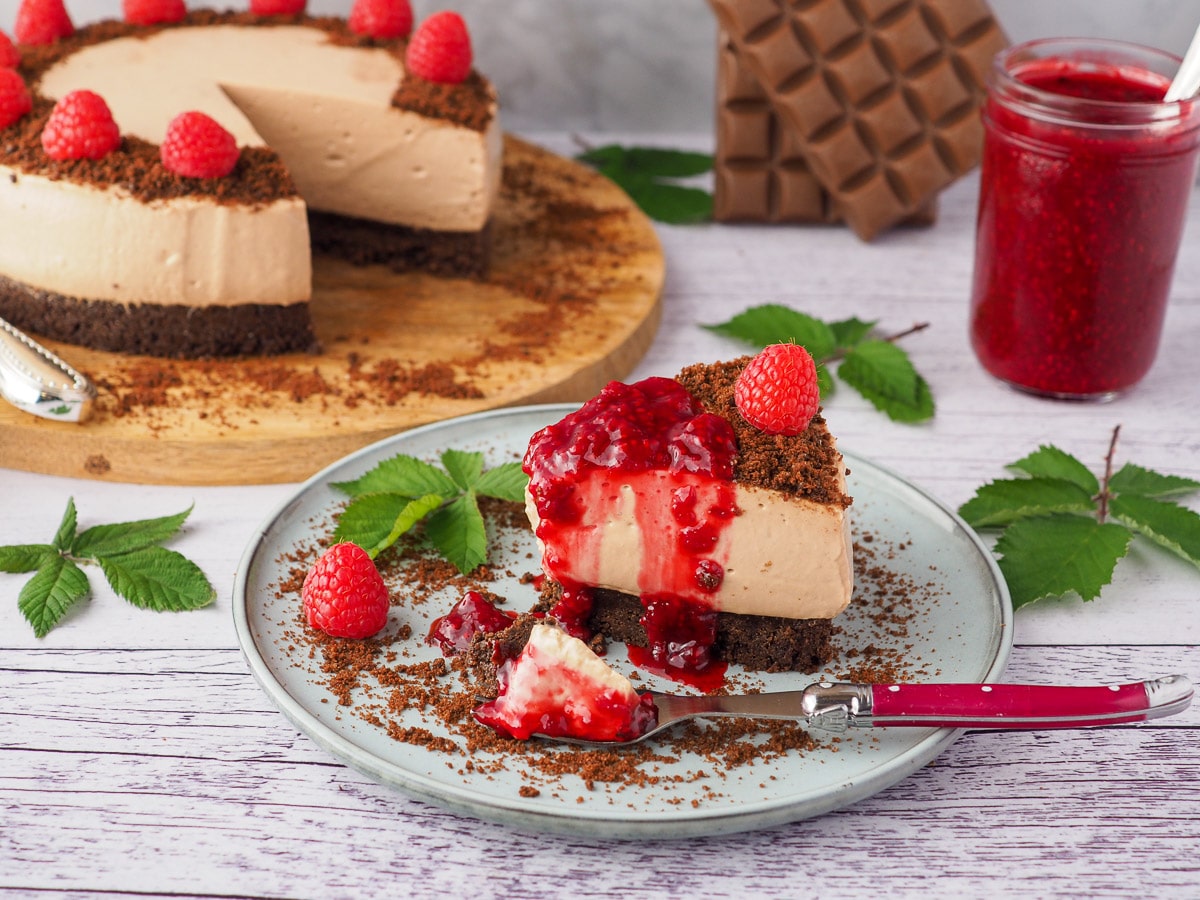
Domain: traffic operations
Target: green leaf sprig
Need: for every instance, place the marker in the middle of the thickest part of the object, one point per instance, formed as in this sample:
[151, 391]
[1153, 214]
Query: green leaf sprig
[875, 367]
[1063, 530]
[649, 175]
[128, 553]
[390, 499]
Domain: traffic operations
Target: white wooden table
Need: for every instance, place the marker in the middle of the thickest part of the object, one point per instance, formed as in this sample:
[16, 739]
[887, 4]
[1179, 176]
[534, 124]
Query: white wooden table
[139, 757]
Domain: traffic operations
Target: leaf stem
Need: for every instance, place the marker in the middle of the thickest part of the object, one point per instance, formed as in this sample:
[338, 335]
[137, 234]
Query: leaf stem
[1105, 494]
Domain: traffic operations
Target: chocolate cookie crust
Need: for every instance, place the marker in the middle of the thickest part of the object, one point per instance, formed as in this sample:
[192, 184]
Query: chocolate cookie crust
[156, 330]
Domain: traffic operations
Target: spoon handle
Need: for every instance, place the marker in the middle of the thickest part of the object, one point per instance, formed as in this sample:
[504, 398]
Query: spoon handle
[1005, 707]
[1187, 80]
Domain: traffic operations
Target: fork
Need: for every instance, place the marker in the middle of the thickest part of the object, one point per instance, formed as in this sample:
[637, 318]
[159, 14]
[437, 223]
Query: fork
[836, 707]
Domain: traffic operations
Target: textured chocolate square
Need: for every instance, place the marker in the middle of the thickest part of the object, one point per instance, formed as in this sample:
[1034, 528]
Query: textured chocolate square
[760, 172]
[881, 97]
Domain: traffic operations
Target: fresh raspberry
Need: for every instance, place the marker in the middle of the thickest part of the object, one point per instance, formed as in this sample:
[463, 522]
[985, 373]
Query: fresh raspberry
[344, 595]
[197, 146]
[385, 20]
[441, 49]
[151, 12]
[777, 391]
[80, 126]
[277, 7]
[42, 22]
[10, 57]
[14, 97]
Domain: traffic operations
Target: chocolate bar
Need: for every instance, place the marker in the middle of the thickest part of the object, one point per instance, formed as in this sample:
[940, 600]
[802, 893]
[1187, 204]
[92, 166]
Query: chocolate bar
[759, 171]
[881, 97]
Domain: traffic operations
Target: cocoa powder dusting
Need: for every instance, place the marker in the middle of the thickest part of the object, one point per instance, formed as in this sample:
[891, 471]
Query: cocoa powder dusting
[390, 683]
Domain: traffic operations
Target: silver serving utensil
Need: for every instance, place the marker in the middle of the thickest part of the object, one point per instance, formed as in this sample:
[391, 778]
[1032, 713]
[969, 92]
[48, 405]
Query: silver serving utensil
[36, 381]
[1186, 82]
[992, 707]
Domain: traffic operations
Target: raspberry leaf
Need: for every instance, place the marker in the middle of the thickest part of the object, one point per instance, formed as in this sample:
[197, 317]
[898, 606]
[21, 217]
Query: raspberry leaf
[138, 569]
[1000, 503]
[849, 332]
[376, 521]
[1167, 524]
[20, 558]
[157, 578]
[123, 537]
[1132, 479]
[877, 369]
[57, 585]
[773, 323]
[825, 382]
[504, 482]
[1048, 461]
[657, 162]
[1050, 556]
[384, 506]
[883, 373]
[1056, 538]
[465, 468]
[65, 536]
[401, 474]
[458, 532]
[648, 175]
[672, 204]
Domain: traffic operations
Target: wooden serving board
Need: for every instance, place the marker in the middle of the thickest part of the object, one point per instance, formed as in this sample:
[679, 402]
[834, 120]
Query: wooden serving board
[572, 301]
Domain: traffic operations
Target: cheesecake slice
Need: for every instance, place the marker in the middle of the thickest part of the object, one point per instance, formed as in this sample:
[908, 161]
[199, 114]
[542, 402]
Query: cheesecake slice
[667, 521]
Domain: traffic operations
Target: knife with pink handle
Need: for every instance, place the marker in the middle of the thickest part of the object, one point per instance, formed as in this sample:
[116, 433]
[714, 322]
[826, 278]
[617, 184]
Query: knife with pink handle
[836, 707]
[1004, 707]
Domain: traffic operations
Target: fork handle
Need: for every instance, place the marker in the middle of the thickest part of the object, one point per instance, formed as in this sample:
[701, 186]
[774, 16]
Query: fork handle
[1006, 707]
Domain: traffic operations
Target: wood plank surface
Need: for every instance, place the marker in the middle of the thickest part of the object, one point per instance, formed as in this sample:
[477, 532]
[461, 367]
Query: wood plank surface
[571, 302]
[217, 795]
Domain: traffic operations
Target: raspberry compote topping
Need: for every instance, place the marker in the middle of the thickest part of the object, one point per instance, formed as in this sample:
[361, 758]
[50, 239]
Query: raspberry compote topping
[647, 453]
[472, 615]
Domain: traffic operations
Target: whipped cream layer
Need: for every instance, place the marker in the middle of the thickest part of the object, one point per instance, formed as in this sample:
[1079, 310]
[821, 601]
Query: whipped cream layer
[782, 556]
[324, 108]
[179, 251]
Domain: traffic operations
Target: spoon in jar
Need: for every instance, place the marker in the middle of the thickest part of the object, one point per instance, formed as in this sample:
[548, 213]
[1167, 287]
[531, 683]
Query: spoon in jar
[1186, 83]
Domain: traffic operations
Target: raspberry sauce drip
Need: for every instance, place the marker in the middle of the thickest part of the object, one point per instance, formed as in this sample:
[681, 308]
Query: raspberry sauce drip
[471, 615]
[647, 457]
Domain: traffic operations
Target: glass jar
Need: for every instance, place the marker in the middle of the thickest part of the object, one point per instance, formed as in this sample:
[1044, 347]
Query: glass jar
[1083, 194]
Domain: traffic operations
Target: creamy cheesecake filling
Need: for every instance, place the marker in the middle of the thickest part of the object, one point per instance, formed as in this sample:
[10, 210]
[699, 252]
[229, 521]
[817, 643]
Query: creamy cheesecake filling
[781, 556]
[325, 108]
[171, 252]
[558, 687]
[396, 167]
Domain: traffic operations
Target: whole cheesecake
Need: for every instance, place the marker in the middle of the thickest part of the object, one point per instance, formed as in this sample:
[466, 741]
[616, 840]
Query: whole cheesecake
[343, 153]
[669, 522]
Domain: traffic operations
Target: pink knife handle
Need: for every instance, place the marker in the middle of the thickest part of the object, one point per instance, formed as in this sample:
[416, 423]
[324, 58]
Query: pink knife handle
[1020, 706]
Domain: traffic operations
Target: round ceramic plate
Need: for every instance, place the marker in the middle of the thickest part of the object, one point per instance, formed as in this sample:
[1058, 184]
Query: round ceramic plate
[959, 629]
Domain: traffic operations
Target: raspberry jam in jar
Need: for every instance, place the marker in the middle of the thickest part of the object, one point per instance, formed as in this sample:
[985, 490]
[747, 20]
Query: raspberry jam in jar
[1083, 194]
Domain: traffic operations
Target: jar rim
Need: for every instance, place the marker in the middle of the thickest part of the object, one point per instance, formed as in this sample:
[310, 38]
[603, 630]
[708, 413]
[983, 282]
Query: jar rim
[1087, 52]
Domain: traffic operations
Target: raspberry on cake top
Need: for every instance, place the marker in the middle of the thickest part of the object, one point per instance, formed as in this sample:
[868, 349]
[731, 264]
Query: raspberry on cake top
[335, 133]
